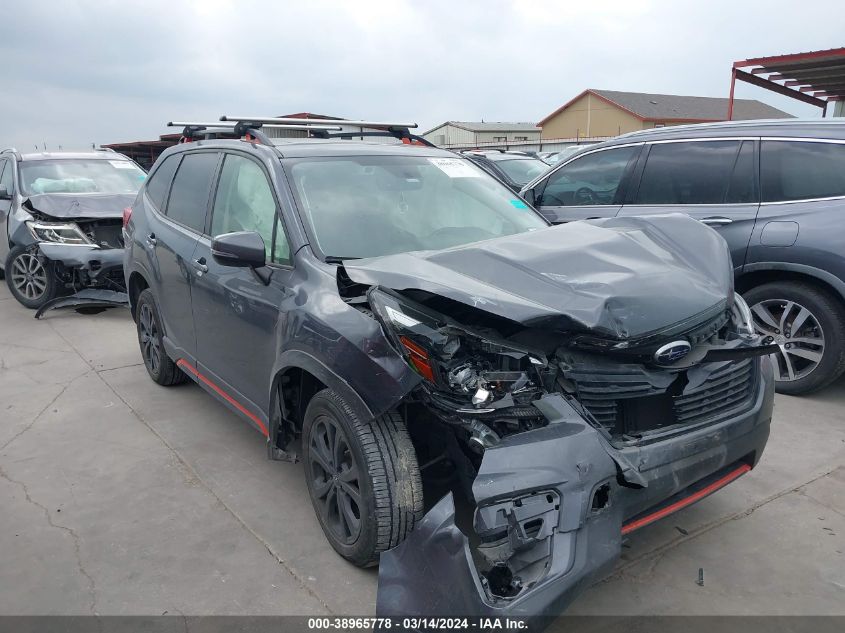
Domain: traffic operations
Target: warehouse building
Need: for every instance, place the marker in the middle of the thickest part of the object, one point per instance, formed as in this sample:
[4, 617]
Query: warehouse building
[475, 133]
[604, 113]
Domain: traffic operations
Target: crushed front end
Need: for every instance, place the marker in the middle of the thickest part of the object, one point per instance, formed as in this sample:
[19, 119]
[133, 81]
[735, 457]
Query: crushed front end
[83, 243]
[559, 443]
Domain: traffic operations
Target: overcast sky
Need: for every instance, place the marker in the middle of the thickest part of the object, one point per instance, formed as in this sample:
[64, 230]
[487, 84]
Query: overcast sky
[87, 71]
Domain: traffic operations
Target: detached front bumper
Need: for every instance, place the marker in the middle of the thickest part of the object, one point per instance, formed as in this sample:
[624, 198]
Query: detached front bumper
[93, 260]
[94, 264]
[552, 507]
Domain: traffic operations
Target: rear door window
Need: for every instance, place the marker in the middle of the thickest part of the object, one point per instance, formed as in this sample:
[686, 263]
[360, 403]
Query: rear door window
[159, 183]
[801, 170]
[188, 202]
[688, 173]
[593, 179]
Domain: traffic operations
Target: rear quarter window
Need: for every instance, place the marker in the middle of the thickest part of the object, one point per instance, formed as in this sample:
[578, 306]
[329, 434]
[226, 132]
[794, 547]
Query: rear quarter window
[801, 170]
[159, 182]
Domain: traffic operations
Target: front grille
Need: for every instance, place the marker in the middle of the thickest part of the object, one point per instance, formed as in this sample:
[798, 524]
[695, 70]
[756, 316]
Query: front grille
[723, 391]
[629, 403]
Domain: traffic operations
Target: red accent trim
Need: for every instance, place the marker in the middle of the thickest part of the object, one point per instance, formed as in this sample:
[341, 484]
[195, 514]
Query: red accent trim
[185, 366]
[738, 472]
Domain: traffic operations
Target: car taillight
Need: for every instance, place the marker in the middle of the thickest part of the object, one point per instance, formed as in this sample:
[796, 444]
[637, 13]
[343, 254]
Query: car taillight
[127, 215]
[419, 358]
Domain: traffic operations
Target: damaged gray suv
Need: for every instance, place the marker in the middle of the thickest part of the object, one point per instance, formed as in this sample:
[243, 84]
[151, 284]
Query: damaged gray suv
[485, 405]
[60, 224]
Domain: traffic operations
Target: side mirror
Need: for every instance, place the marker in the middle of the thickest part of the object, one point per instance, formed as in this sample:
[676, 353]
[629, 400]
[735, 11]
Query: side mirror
[529, 196]
[4, 193]
[242, 249]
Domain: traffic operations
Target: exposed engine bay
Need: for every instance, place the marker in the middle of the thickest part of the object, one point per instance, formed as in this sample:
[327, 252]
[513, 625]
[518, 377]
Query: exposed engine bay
[485, 378]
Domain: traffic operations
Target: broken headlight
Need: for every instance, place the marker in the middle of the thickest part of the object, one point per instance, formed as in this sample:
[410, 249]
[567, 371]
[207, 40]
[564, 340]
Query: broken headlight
[414, 332]
[742, 316]
[475, 370]
[57, 232]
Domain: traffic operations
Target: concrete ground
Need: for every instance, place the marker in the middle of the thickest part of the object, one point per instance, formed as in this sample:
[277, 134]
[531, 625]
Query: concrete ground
[118, 496]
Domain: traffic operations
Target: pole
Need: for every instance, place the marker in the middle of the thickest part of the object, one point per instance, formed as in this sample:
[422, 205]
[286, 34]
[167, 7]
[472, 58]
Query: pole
[731, 98]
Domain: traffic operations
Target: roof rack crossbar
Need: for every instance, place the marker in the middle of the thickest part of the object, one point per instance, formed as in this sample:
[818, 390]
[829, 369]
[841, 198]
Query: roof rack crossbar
[252, 124]
[310, 122]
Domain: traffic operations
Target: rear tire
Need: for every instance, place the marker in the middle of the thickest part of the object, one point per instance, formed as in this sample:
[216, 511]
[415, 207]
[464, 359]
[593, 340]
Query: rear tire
[31, 278]
[821, 330]
[160, 366]
[362, 477]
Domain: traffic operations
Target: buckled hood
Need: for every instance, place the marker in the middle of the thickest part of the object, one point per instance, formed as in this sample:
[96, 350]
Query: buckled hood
[623, 277]
[95, 206]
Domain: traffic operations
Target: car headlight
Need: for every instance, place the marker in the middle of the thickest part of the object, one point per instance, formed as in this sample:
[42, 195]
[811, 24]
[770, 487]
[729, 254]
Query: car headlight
[414, 333]
[57, 232]
[449, 355]
[742, 315]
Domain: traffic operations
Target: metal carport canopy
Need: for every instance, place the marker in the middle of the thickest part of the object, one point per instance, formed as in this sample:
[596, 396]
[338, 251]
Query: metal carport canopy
[815, 77]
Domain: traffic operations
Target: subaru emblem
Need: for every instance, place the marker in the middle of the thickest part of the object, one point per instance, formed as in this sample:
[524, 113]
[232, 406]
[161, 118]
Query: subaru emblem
[672, 352]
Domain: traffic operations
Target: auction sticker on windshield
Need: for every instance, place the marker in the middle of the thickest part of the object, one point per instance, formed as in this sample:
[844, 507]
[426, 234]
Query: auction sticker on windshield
[455, 168]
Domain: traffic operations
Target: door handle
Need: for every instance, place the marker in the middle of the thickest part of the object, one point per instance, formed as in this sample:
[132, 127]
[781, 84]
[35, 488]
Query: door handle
[151, 240]
[199, 264]
[716, 221]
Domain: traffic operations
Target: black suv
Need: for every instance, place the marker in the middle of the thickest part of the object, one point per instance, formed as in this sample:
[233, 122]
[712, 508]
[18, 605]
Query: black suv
[60, 225]
[775, 190]
[419, 335]
[515, 169]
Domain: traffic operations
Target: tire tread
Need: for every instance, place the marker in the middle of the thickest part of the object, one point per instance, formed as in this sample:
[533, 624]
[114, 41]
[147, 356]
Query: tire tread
[396, 481]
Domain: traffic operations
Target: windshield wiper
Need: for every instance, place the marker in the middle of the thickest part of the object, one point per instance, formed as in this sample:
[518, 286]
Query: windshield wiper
[336, 259]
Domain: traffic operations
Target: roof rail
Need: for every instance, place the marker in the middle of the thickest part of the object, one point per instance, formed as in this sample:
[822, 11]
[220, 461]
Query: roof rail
[11, 150]
[738, 124]
[309, 122]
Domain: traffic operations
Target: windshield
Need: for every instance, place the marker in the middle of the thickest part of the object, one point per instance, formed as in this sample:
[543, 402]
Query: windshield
[72, 175]
[522, 170]
[366, 206]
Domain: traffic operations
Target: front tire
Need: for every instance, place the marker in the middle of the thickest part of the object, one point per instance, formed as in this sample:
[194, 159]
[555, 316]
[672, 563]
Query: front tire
[160, 366]
[809, 326]
[31, 279]
[362, 477]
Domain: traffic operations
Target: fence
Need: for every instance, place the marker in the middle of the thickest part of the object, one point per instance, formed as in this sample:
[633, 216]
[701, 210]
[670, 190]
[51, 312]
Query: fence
[541, 145]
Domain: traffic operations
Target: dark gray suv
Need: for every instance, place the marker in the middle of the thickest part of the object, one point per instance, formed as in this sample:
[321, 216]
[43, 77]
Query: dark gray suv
[439, 356]
[775, 190]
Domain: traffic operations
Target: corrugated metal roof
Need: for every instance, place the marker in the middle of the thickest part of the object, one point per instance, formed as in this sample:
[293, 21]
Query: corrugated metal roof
[667, 107]
[490, 126]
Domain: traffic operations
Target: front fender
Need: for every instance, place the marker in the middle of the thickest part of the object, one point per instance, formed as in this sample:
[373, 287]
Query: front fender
[298, 359]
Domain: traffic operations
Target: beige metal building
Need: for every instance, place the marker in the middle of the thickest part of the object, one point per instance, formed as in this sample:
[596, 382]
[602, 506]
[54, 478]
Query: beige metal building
[474, 133]
[599, 113]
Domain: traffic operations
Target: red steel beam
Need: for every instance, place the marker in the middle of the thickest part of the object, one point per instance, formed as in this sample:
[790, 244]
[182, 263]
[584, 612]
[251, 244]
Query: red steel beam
[731, 98]
[785, 59]
[769, 85]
